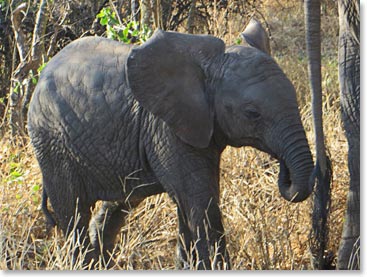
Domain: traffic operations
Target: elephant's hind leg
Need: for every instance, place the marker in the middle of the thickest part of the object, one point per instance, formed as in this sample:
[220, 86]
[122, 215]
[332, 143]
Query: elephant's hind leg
[72, 210]
[73, 220]
[105, 226]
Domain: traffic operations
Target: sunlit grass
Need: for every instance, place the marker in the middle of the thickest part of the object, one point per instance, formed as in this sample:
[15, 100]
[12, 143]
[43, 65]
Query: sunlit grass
[263, 231]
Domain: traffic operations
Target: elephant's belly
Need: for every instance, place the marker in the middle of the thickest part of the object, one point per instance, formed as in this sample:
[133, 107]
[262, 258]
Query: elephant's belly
[120, 174]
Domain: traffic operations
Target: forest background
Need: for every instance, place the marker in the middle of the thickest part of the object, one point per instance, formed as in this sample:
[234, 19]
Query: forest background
[263, 231]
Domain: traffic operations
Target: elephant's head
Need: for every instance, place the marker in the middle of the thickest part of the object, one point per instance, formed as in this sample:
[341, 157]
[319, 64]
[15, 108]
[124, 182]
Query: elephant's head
[201, 90]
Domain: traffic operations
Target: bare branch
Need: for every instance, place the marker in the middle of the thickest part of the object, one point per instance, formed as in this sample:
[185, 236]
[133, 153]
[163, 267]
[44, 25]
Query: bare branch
[20, 38]
[190, 20]
[38, 48]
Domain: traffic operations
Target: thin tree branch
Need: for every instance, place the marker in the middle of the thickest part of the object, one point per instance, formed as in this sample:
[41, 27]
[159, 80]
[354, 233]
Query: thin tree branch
[38, 47]
[190, 19]
[20, 38]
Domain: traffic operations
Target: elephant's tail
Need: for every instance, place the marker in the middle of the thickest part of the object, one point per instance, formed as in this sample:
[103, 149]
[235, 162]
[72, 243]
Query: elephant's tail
[50, 220]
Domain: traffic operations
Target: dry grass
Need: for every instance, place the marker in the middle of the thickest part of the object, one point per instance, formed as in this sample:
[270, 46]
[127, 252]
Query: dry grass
[263, 230]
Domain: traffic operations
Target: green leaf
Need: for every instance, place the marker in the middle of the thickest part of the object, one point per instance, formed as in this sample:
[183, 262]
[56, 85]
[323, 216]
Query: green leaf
[135, 33]
[125, 32]
[103, 21]
[113, 20]
[35, 199]
[16, 88]
[42, 66]
[102, 13]
[18, 196]
[33, 77]
[122, 32]
[34, 80]
[15, 174]
[36, 188]
[14, 165]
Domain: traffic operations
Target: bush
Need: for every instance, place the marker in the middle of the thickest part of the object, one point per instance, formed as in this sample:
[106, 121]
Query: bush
[126, 31]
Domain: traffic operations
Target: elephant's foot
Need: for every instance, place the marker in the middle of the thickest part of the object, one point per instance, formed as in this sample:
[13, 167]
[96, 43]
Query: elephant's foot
[349, 253]
[189, 261]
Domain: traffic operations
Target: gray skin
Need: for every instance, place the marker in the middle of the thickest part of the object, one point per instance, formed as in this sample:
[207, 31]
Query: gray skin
[119, 123]
[349, 79]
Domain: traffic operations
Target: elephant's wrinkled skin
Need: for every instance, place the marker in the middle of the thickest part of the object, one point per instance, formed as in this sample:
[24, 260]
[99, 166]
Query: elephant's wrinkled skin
[349, 78]
[119, 123]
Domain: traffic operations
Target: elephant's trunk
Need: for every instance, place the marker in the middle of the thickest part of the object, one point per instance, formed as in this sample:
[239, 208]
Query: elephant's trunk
[296, 167]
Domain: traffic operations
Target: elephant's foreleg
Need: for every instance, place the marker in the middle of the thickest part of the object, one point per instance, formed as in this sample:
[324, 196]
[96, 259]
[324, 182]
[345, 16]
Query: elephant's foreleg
[191, 178]
[208, 244]
[349, 250]
[184, 252]
[210, 240]
[349, 78]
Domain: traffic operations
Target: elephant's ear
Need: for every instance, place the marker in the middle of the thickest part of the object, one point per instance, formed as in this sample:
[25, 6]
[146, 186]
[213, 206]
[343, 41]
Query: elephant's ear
[168, 75]
[256, 36]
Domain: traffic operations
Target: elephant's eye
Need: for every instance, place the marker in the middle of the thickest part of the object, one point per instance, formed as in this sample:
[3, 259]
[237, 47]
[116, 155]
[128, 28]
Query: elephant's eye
[252, 115]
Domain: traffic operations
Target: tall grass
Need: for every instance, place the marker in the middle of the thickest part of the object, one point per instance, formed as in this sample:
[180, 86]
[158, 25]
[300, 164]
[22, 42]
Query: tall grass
[263, 231]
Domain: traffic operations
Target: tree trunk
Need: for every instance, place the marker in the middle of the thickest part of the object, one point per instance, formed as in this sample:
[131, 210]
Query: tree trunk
[15, 95]
[166, 8]
[157, 13]
[30, 60]
[37, 53]
[145, 13]
[134, 10]
[191, 16]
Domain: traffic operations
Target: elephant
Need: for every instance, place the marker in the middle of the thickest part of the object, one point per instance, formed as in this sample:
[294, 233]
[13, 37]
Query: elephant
[117, 123]
[349, 81]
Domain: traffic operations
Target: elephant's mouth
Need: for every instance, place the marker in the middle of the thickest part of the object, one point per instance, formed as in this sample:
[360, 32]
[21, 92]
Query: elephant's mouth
[284, 179]
[259, 145]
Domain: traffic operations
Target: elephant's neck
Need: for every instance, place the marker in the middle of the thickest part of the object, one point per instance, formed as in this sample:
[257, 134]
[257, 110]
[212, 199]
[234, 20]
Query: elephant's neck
[219, 138]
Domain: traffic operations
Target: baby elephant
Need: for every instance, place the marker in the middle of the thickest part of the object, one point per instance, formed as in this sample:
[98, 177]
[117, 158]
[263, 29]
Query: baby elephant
[119, 123]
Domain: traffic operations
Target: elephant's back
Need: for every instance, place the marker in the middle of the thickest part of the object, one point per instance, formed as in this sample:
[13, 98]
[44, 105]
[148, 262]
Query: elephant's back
[82, 104]
[87, 64]
[84, 82]
[91, 51]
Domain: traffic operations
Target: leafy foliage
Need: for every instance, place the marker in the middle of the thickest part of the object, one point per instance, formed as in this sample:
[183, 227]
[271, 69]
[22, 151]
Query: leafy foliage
[127, 31]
